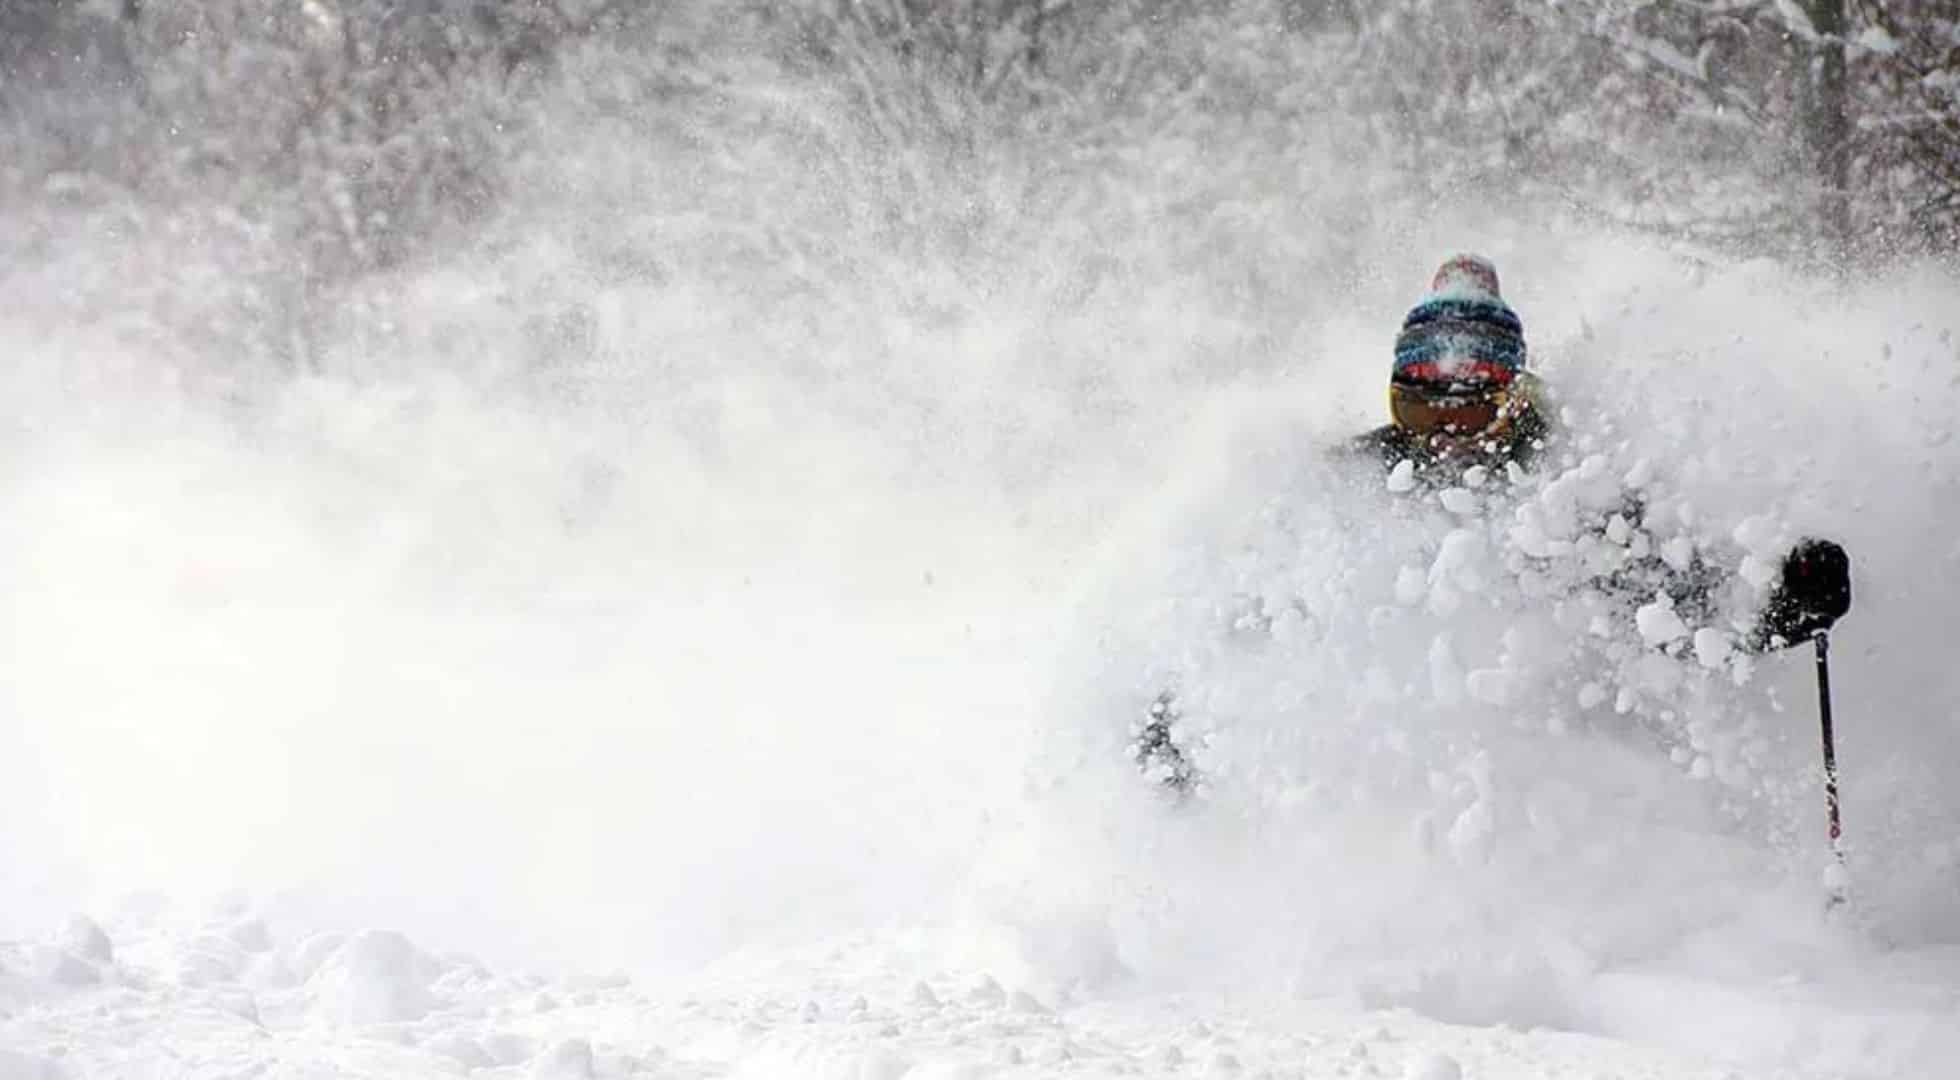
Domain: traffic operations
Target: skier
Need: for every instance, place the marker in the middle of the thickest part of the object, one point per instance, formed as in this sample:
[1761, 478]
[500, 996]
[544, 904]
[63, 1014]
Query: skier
[1459, 396]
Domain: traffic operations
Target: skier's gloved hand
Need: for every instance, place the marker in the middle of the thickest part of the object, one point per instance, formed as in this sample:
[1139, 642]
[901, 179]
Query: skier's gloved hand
[1814, 593]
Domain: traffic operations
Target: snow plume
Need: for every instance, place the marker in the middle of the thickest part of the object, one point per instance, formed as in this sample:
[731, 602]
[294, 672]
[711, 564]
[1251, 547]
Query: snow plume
[658, 571]
[1444, 768]
[672, 568]
[542, 690]
[1434, 760]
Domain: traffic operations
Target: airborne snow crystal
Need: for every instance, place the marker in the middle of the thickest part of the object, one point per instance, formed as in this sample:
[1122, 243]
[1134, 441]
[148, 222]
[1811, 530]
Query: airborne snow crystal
[1658, 623]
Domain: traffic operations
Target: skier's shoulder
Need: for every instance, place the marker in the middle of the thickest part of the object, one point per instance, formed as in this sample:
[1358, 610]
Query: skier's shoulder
[1533, 426]
[1385, 445]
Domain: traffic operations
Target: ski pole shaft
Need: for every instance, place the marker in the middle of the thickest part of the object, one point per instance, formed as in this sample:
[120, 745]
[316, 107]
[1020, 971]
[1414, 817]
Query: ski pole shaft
[1823, 640]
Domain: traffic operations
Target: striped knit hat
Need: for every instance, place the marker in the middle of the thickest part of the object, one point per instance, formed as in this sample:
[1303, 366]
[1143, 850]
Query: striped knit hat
[1462, 333]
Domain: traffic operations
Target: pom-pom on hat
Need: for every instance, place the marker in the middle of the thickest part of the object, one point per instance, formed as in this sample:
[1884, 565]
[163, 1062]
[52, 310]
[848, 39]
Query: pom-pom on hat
[1461, 334]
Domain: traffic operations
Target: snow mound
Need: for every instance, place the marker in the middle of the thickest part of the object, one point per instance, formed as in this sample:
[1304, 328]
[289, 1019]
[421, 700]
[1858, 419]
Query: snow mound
[82, 937]
[374, 977]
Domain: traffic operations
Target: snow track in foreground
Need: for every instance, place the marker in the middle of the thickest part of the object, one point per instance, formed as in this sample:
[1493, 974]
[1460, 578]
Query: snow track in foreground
[228, 999]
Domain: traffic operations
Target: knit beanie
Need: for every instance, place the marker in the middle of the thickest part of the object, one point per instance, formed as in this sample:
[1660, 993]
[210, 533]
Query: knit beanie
[1461, 333]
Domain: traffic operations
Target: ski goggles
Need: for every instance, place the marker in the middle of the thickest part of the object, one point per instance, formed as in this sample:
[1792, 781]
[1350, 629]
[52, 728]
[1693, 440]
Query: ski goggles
[1452, 370]
[1455, 410]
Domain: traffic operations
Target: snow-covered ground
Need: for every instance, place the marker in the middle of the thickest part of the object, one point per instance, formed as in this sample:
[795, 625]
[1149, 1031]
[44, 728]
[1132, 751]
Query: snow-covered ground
[231, 998]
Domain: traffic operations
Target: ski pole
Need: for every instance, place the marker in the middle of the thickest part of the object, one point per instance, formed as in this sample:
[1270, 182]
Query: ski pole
[1823, 639]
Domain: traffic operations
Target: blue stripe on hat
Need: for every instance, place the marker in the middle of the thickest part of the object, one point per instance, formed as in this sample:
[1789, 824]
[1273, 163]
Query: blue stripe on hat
[1481, 329]
[1495, 312]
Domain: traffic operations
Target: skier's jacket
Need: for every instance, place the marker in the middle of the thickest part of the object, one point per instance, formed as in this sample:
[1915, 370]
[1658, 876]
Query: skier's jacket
[1813, 592]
